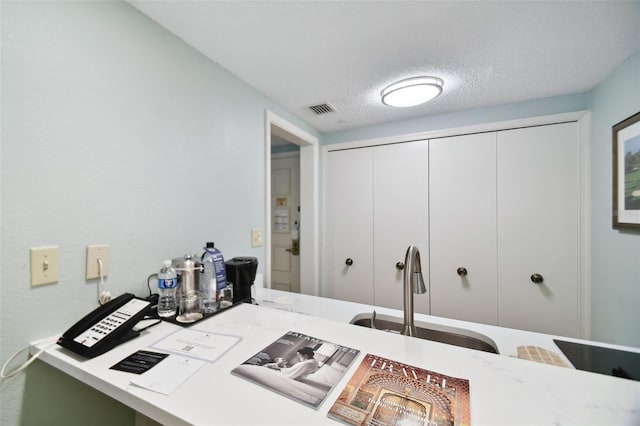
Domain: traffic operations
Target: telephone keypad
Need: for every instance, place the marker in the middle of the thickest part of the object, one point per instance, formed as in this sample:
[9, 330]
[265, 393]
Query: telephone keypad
[105, 326]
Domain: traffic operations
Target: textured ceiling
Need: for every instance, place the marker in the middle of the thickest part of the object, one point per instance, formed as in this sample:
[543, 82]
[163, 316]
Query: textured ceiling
[303, 53]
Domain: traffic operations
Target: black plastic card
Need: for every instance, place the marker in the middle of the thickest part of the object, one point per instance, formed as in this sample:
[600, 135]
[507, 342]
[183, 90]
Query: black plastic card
[139, 362]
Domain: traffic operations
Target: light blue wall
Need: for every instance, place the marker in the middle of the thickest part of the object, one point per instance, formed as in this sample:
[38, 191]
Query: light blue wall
[615, 254]
[113, 131]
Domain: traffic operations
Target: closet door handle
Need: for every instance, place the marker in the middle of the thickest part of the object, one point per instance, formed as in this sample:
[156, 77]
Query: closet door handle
[349, 261]
[461, 271]
[537, 278]
[400, 266]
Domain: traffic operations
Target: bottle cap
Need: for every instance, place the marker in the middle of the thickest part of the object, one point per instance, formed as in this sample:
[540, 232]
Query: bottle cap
[210, 245]
[166, 262]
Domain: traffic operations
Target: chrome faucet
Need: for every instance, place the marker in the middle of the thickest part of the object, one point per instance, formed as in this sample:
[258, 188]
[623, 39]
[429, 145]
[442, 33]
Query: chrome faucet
[413, 283]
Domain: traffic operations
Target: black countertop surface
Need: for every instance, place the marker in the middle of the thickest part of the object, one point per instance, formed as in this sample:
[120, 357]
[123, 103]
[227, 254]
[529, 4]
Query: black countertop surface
[612, 362]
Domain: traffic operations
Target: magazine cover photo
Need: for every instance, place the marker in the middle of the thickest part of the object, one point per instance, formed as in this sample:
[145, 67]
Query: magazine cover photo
[299, 366]
[384, 392]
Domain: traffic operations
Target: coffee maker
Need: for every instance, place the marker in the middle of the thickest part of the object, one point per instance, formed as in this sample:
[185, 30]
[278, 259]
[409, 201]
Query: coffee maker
[241, 271]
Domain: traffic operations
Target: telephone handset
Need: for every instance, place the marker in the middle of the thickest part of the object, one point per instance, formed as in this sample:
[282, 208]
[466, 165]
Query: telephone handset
[106, 327]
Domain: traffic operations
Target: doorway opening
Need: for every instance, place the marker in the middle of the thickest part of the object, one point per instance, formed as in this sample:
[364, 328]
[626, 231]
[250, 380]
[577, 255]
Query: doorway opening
[288, 202]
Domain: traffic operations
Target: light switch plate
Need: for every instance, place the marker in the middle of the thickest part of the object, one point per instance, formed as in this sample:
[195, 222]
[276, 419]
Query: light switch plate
[256, 237]
[95, 252]
[44, 265]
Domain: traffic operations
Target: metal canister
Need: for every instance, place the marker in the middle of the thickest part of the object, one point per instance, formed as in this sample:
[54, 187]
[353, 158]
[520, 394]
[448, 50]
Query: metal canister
[190, 308]
[189, 275]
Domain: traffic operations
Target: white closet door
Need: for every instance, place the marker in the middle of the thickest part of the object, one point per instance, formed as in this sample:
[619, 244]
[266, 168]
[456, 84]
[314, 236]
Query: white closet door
[538, 228]
[401, 218]
[463, 227]
[350, 225]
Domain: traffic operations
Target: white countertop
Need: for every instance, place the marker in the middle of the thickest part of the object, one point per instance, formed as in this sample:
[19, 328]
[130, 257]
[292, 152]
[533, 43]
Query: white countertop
[504, 390]
[506, 339]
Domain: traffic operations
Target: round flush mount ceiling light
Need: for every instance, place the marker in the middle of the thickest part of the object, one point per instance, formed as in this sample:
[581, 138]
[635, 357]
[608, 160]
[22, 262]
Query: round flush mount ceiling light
[411, 91]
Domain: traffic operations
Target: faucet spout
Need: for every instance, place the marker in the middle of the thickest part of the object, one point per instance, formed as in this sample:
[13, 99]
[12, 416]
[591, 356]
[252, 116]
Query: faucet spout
[413, 282]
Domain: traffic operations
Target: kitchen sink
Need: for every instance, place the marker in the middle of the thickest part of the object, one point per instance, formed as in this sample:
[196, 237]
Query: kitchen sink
[435, 332]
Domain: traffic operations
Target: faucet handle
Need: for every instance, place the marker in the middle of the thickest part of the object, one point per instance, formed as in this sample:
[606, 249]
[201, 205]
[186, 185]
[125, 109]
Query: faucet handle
[399, 266]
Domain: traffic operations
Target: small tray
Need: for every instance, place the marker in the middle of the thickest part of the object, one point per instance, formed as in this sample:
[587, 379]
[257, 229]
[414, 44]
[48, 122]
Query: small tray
[173, 319]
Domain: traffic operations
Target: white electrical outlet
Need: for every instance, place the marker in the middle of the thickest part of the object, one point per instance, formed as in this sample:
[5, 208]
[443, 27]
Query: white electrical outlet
[95, 252]
[256, 237]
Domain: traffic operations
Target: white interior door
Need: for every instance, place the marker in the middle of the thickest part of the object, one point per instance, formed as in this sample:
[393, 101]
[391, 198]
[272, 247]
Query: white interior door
[462, 193]
[285, 218]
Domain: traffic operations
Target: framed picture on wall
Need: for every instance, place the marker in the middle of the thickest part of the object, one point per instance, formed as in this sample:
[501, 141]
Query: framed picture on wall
[626, 173]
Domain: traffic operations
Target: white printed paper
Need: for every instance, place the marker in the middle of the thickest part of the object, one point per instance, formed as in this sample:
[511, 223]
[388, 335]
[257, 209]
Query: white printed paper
[167, 375]
[197, 344]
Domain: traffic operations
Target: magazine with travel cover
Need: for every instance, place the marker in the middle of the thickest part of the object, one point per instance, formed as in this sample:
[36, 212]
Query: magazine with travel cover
[299, 366]
[385, 392]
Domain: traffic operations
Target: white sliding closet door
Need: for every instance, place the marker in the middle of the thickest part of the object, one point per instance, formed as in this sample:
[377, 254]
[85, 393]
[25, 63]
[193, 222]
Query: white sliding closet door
[464, 282]
[400, 218]
[349, 225]
[539, 229]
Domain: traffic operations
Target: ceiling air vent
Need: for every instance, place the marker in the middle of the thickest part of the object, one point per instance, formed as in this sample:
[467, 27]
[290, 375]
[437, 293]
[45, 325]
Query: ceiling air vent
[324, 108]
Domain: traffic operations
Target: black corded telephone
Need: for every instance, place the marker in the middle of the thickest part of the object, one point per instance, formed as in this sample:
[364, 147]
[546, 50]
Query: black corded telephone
[106, 327]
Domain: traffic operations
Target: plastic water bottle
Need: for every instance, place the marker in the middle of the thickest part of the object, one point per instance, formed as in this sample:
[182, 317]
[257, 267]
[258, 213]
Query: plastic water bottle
[167, 286]
[208, 287]
[213, 278]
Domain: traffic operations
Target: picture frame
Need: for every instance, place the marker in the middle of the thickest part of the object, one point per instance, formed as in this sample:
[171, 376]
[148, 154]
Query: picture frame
[626, 173]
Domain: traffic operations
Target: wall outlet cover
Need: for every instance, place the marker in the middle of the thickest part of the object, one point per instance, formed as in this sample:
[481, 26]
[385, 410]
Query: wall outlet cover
[256, 237]
[44, 265]
[95, 252]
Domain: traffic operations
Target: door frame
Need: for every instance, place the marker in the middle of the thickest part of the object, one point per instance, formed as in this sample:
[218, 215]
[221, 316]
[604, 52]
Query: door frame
[309, 225]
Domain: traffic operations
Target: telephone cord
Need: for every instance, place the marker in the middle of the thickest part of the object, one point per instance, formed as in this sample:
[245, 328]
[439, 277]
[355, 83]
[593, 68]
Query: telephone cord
[4, 375]
[103, 295]
[149, 284]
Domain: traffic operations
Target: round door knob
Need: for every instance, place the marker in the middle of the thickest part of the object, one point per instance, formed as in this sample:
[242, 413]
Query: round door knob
[400, 266]
[349, 261]
[462, 271]
[537, 278]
